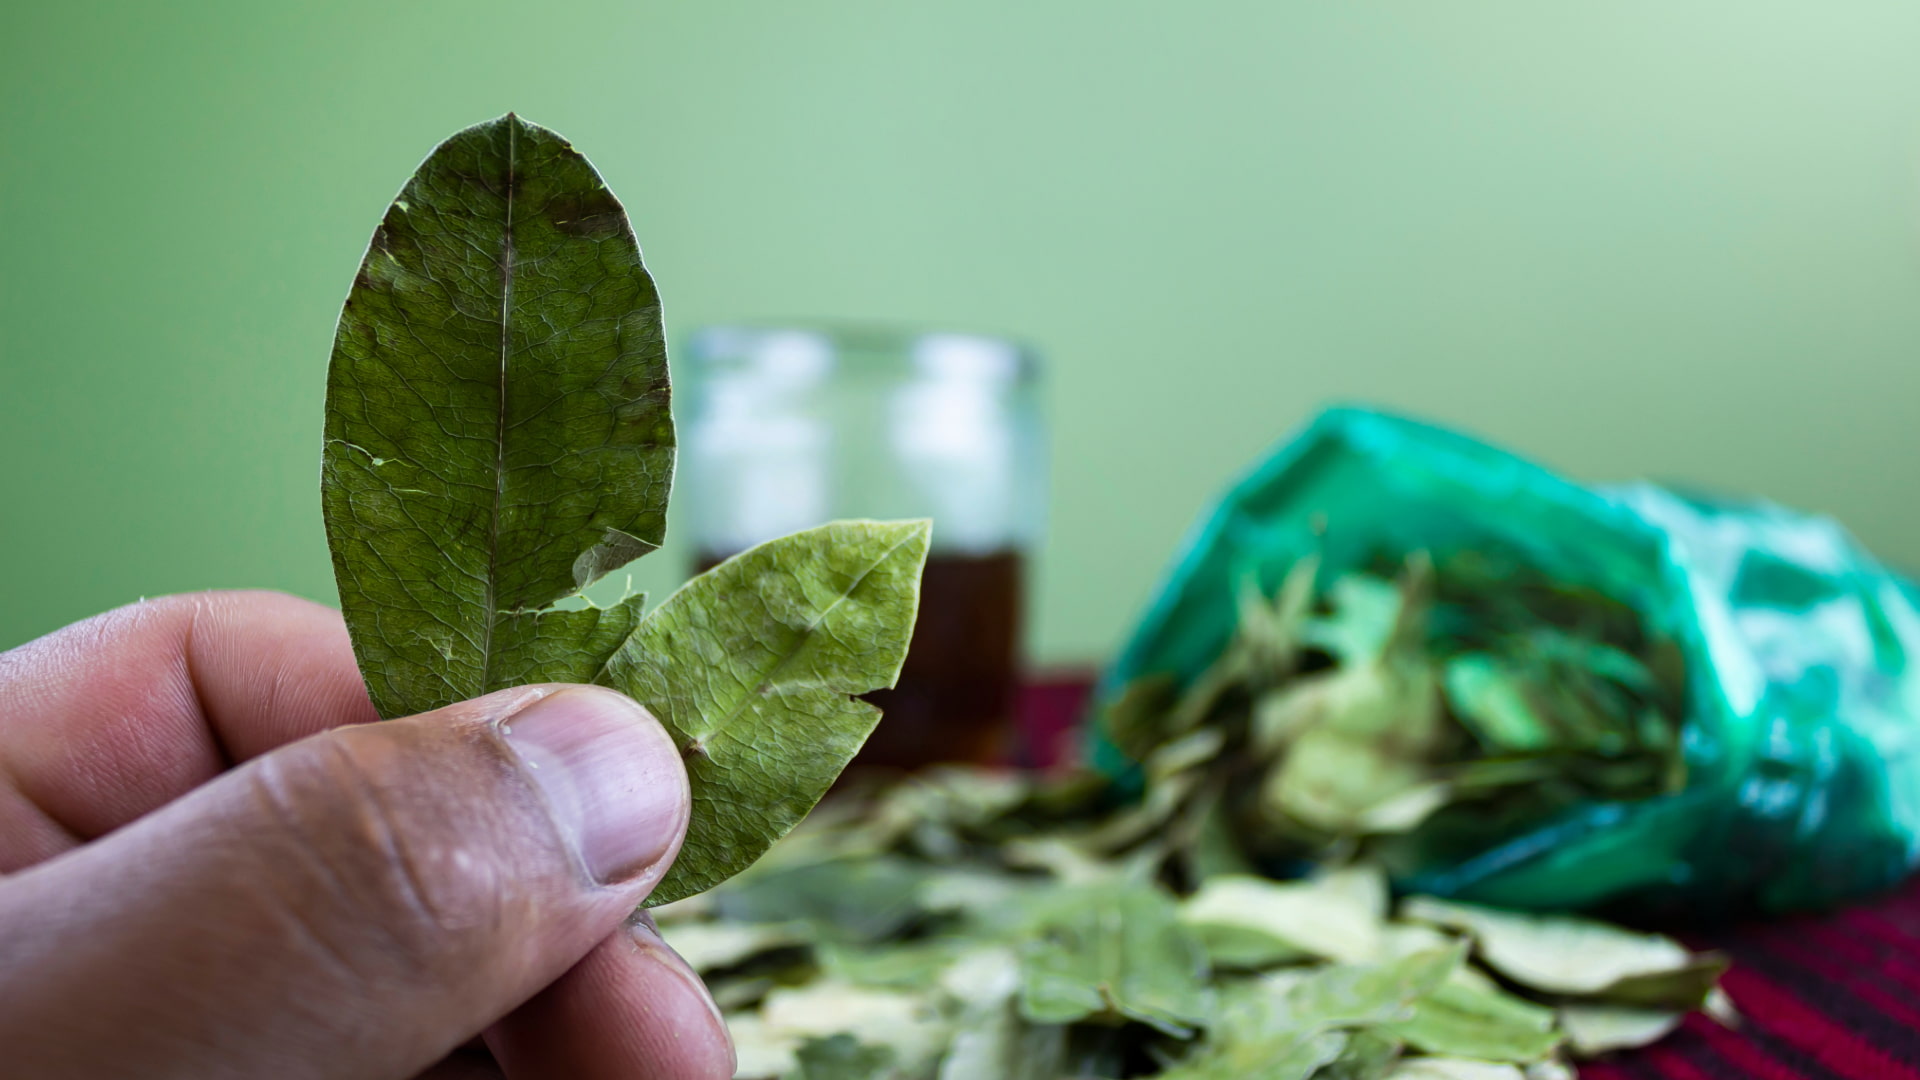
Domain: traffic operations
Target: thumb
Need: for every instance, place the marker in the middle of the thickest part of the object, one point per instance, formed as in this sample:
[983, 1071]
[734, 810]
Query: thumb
[355, 904]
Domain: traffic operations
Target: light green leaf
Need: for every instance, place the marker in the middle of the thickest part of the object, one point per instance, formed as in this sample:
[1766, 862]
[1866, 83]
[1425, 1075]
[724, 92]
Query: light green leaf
[1117, 952]
[983, 979]
[990, 1039]
[1283, 714]
[706, 946]
[1568, 955]
[1405, 811]
[1337, 915]
[973, 894]
[1720, 1006]
[1596, 1029]
[1245, 948]
[497, 433]
[1004, 1047]
[1189, 751]
[1490, 700]
[1272, 629]
[1445, 1068]
[1339, 783]
[1270, 1056]
[760, 1052]
[1255, 1032]
[1289, 1025]
[1459, 1021]
[750, 667]
[907, 1024]
[1368, 1055]
[1400, 940]
[1063, 857]
[1353, 995]
[1365, 611]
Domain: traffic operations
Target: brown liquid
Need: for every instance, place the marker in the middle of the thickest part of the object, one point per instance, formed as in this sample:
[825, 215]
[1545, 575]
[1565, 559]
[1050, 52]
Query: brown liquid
[956, 693]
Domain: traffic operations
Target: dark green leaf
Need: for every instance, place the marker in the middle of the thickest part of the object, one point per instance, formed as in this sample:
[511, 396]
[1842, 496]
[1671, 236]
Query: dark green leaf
[841, 1057]
[1205, 842]
[1687, 987]
[855, 900]
[750, 667]
[736, 992]
[908, 965]
[1136, 721]
[498, 431]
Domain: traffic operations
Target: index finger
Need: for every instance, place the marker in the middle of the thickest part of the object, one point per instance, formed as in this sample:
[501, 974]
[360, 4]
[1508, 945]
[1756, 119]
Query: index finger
[113, 717]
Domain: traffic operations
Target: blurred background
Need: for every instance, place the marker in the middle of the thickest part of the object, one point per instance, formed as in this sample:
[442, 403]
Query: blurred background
[1679, 241]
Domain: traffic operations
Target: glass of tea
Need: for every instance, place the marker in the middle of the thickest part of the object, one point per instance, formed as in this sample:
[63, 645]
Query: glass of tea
[793, 426]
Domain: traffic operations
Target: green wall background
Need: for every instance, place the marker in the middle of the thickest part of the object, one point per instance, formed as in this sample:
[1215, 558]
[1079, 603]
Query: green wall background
[1677, 239]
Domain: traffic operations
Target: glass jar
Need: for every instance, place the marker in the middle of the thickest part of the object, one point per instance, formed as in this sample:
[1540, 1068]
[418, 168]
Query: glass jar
[793, 426]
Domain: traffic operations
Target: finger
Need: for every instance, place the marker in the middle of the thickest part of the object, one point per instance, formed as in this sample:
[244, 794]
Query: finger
[354, 905]
[632, 1010]
[116, 716]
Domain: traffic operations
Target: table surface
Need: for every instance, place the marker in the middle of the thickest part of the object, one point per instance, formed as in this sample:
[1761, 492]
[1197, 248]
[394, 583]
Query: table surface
[1828, 997]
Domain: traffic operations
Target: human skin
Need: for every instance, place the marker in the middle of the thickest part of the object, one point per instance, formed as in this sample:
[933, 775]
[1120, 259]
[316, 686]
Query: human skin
[215, 863]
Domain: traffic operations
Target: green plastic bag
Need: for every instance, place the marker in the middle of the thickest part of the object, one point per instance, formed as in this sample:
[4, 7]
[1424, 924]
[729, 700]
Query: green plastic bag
[1803, 727]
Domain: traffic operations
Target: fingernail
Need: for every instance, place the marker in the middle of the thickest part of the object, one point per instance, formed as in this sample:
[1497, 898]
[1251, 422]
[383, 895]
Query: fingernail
[610, 774]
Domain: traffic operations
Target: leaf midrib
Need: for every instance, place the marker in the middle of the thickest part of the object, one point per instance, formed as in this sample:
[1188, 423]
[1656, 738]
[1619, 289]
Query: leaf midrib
[500, 422]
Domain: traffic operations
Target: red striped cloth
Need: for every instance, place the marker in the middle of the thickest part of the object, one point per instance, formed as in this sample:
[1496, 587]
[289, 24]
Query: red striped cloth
[1830, 997]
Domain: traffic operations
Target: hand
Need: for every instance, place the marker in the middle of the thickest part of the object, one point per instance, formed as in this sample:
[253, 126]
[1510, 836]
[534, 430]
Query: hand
[213, 865]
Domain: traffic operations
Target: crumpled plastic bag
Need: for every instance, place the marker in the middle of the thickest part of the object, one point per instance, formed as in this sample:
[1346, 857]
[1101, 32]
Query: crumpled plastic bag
[1802, 733]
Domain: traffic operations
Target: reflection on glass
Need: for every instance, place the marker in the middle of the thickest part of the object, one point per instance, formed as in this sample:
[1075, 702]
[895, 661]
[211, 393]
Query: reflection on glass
[794, 426]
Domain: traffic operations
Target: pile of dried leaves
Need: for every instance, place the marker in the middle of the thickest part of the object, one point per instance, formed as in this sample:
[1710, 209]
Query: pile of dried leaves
[969, 924]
